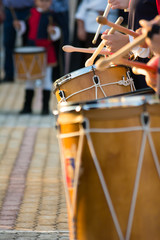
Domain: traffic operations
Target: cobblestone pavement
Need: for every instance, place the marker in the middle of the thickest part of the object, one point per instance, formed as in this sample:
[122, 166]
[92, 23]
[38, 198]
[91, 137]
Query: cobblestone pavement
[32, 200]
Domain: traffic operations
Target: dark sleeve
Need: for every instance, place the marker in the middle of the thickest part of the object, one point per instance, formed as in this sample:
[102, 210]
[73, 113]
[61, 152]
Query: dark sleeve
[25, 35]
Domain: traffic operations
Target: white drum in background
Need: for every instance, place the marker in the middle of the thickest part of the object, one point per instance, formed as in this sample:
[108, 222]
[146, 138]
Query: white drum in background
[30, 63]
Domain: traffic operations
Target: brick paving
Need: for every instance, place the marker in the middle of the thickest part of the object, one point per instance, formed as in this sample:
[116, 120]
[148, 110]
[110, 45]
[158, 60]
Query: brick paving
[32, 200]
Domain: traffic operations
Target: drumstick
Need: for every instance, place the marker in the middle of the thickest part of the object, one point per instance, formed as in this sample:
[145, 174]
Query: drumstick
[141, 66]
[69, 48]
[50, 19]
[101, 64]
[105, 14]
[90, 61]
[119, 28]
[13, 13]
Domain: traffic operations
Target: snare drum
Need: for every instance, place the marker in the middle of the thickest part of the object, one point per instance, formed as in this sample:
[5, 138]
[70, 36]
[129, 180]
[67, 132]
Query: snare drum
[30, 63]
[89, 84]
[110, 153]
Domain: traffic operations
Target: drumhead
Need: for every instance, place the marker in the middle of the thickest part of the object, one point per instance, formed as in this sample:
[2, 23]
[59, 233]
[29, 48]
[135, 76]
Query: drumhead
[71, 75]
[27, 50]
[75, 74]
[113, 102]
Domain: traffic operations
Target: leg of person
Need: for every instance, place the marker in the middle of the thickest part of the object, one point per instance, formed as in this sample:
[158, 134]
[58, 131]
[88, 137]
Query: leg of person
[9, 43]
[47, 86]
[28, 99]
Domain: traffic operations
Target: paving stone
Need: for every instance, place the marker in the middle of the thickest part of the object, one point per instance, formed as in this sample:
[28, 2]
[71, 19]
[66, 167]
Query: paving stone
[30, 180]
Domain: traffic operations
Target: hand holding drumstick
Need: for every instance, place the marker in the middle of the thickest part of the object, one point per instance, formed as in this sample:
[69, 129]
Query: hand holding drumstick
[90, 61]
[117, 40]
[117, 57]
[153, 36]
[119, 4]
[17, 25]
[16, 22]
[152, 29]
[150, 76]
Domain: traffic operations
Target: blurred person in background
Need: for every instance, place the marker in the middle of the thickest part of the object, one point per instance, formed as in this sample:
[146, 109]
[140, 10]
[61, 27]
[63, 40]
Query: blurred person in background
[86, 26]
[42, 31]
[12, 9]
[61, 16]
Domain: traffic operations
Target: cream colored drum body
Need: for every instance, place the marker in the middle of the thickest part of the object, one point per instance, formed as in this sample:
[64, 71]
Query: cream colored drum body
[30, 63]
[110, 153]
[89, 84]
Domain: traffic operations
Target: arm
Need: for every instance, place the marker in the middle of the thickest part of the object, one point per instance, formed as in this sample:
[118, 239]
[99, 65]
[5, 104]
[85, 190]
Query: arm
[153, 29]
[151, 78]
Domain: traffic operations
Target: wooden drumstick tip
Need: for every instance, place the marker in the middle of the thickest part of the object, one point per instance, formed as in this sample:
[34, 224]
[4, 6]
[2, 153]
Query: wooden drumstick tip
[94, 41]
[101, 20]
[89, 62]
[102, 64]
[65, 48]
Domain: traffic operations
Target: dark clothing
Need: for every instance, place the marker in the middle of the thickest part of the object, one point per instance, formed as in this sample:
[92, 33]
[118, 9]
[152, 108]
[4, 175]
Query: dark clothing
[62, 18]
[18, 4]
[38, 35]
[9, 39]
[141, 9]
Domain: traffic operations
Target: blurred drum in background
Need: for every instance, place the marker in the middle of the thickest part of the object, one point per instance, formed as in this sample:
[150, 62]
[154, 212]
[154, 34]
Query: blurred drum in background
[110, 158]
[30, 63]
[89, 84]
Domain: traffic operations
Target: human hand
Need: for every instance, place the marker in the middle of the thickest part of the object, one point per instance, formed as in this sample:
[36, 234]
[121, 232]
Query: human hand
[17, 24]
[150, 77]
[120, 4]
[114, 41]
[140, 31]
[50, 30]
[152, 42]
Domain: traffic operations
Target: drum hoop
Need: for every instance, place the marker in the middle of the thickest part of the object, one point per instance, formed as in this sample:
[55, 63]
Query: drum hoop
[19, 50]
[75, 74]
[70, 76]
[116, 102]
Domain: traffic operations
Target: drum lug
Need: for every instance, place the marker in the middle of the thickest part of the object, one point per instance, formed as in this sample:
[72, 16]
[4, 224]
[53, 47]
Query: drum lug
[62, 95]
[96, 79]
[84, 124]
[145, 118]
[67, 77]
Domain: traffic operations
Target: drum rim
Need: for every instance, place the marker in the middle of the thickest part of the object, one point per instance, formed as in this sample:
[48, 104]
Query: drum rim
[114, 102]
[18, 50]
[60, 81]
